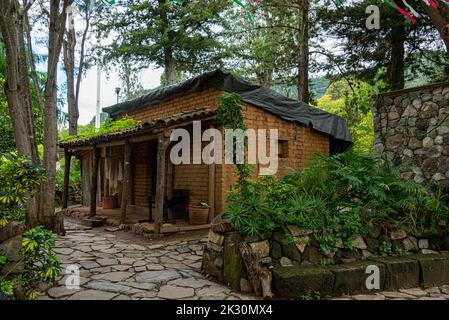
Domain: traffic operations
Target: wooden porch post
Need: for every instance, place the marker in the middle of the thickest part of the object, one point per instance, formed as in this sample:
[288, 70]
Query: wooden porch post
[94, 183]
[126, 182]
[162, 145]
[65, 191]
[212, 181]
[132, 185]
[211, 199]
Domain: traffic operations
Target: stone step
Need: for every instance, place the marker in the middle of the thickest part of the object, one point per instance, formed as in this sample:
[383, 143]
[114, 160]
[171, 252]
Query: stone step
[394, 273]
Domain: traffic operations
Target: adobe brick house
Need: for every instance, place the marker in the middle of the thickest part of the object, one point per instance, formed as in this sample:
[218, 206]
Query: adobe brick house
[135, 164]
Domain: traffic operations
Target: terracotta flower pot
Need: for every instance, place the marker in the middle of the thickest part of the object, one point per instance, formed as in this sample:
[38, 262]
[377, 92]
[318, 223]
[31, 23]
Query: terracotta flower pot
[198, 214]
[110, 203]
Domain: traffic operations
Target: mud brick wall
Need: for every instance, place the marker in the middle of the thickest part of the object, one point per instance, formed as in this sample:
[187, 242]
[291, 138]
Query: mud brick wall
[206, 99]
[301, 144]
[412, 128]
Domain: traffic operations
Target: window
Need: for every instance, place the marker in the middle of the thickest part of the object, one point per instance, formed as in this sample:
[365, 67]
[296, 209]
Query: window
[283, 149]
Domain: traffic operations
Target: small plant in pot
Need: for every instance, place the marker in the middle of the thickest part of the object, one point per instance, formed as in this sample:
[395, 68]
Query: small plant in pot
[199, 214]
[110, 202]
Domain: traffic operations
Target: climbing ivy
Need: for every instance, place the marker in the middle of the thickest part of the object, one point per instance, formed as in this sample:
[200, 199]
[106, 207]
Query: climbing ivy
[230, 116]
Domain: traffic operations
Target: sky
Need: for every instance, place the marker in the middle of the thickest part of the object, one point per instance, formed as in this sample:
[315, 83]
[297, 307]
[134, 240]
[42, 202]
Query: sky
[150, 79]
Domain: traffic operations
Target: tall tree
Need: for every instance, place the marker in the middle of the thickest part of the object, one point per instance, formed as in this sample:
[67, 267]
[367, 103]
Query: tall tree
[12, 26]
[74, 73]
[303, 52]
[273, 49]
[130, 84]
[175, 36]
[258, 49]
[391, 53]
[440, 19]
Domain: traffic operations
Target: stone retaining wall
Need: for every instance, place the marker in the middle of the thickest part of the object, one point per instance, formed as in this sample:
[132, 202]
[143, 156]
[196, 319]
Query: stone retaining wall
[412, 127]
[299, 266]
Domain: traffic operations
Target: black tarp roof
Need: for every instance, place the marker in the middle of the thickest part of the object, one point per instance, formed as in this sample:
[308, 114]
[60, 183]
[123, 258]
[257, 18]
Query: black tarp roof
[258, 96]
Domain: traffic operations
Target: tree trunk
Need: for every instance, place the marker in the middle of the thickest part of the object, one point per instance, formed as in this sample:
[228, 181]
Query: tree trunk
[12, 27]
[19, 104]
[55, 38]
[94, 182]
[126, 182]
[82, 55]
[160, 182]
[169, 67]
[396, 70]
[303, 52]
[169, 62]
[25, 84]
[69, 65]
[17, 90]
[73, 87]
[37, 88]
[440, 19]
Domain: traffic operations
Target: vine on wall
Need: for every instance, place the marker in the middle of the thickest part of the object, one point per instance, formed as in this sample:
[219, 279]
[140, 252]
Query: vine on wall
[230, 116]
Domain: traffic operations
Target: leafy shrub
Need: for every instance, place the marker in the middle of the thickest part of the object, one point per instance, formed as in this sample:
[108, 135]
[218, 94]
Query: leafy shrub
[336, 197]
[40, 264]
[20, 179]
[6, 287]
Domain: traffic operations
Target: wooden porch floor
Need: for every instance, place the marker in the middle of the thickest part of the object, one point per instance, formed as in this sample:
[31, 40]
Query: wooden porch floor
[135, 216]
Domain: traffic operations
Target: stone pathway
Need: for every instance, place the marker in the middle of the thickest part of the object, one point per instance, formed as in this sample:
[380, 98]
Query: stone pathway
[117, 269]
[436, 293]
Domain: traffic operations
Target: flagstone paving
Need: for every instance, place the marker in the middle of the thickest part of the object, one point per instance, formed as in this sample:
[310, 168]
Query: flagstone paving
[119, 269]
[113, 268]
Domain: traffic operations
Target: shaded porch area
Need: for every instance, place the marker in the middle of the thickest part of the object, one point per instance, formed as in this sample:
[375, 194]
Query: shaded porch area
[136, 219]
[129, 179]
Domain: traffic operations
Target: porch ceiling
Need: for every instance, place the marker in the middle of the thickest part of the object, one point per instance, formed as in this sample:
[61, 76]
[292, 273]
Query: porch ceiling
[154, 126]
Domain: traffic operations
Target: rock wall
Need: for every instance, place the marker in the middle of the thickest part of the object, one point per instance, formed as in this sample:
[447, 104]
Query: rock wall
[296, 253]
[412, 128]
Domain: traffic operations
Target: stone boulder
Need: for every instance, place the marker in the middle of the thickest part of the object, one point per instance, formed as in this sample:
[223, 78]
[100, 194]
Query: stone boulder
[221, 225]
[11, 249]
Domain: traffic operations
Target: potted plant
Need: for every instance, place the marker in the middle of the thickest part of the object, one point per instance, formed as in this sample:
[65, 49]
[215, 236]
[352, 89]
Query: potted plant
[199, 214]
[110, 202]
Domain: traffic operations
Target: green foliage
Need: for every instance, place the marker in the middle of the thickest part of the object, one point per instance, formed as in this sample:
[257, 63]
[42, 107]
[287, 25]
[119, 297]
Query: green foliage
[230, 111]
[316, 295]
[386, 248]
[6, 288]
[368, 55]
[109, 126]
[265, 51]
[20, 179]
[41, 263]
[230, 116]
[353, 102]
[2, 259]
[74, 179]
[7, 143]
[337, 198]
[161, 32]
